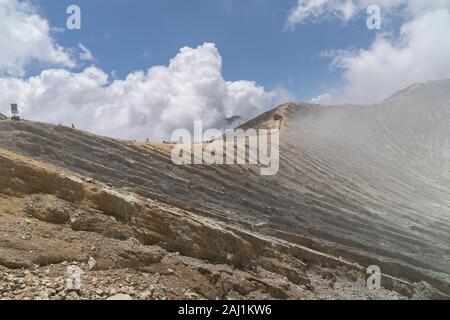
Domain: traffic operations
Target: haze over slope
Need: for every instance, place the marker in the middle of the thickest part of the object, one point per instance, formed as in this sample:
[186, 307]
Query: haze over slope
[378, 175]
[367, 183]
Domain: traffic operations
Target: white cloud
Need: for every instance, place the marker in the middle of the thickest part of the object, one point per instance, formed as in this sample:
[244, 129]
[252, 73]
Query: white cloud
[25, 37]
[345, 10]
[145, 104]
[324, 99]
[304, 10]
[85, 53]
[420, 53]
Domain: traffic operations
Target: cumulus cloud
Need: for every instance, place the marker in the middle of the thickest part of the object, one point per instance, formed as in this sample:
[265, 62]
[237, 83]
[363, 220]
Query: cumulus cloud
[421, 51]
[144, 104]
[25, 38]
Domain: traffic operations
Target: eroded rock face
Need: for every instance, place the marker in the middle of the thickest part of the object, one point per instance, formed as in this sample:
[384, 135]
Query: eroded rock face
[120, 205]
[3, 117]
[48, 208]
[91, 220]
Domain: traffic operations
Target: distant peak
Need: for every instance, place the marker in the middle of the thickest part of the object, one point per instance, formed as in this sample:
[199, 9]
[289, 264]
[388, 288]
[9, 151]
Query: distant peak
[417, 88]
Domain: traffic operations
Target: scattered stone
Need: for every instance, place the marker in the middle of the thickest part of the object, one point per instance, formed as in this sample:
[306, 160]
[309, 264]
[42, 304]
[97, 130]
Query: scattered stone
[91, 263]
[120, 297]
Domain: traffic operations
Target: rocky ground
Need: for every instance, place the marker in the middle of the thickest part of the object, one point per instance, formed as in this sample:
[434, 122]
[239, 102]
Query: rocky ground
[131, 247]
[178, 277]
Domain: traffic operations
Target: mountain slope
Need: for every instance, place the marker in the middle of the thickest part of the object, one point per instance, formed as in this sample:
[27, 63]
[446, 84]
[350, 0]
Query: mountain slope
[365, 183]
[129, 244]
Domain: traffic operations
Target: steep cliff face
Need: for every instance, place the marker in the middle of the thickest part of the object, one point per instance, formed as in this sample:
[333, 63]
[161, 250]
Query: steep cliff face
[357, 184]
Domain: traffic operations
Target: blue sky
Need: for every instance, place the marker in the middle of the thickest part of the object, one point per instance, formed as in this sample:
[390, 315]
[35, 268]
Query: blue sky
[250, 35]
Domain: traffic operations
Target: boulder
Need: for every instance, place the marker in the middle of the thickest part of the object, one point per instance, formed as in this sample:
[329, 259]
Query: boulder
[120, 205]
[48, 208]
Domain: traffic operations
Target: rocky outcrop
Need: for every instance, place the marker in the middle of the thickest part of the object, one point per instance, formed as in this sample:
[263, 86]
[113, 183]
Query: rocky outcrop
[48, 208]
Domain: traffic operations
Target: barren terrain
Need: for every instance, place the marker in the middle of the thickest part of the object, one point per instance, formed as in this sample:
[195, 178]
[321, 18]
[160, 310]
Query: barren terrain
[358, 186]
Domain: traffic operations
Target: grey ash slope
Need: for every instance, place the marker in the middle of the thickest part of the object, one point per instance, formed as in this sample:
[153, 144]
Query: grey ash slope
[368, 183]
[377, 176]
